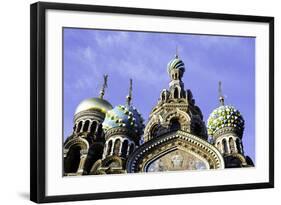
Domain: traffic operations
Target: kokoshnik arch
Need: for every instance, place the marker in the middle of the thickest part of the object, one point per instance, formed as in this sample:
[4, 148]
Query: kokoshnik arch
[113, 140]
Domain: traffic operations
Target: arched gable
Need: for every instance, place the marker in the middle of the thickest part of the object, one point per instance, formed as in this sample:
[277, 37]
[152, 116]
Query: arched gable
[78, 141]
[179, 140]
[183, 118]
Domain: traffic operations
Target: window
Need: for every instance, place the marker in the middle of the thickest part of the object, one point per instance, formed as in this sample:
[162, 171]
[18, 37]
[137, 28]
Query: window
[175, 125]
[176, 93]
[94, 126]
[224, 143]
[109, 147]
[72, 161]
[99, 130]
[154, 131]
[124, 148]
[117, 145]
[79, 126]
[86, 126]
[238, 145]
[231, 144]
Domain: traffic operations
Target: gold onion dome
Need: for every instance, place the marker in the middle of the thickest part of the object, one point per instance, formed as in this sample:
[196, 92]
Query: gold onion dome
[176, 63]
[223, 117]
[125, 116]
[97, 104]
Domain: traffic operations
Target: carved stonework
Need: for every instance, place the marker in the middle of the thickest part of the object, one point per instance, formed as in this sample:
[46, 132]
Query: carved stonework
[110, 165]
[177, 140]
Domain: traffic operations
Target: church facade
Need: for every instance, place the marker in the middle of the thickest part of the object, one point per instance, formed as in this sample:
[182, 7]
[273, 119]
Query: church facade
[113, 140]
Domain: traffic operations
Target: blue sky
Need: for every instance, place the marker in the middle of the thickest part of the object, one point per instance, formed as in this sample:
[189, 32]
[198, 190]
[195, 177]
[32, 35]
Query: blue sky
[143, 56]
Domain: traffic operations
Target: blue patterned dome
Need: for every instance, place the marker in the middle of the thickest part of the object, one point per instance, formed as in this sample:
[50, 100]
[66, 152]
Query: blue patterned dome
[124, 116]
[225, 116]
[176, 63]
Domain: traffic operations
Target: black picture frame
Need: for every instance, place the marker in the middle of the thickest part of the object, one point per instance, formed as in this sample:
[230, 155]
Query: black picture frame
[38, 100]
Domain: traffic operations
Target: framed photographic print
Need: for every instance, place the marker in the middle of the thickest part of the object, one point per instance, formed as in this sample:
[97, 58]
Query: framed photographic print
[129, 102]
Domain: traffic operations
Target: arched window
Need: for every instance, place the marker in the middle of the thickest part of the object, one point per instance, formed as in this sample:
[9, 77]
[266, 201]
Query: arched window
[86, 126]
[154, 130]
[176, 93]
[124, 148]
[72, 161]
[79, 126]
[109, 147]
[238, 145]
[117, 145]
[176, 76]
[175, 125]
[95, 153]
[224, 144]
[231, 144]
[94, 127]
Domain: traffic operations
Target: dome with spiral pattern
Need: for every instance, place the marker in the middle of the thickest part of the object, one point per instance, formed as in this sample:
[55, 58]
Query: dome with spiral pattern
[176, 63]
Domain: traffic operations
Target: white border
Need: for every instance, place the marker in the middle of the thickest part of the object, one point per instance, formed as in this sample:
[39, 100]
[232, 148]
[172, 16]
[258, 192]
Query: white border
[58, 185]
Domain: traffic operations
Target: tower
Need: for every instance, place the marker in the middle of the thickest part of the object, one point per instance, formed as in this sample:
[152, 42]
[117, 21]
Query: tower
[175, 136]
[226, 126]
[123, 127]
[85, 145]
[176, 109]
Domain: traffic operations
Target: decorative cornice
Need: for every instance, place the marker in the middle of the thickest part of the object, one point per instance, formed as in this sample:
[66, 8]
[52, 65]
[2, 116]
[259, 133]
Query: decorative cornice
[228, 130]
[121, 131]
[77, 140]
[97, 115]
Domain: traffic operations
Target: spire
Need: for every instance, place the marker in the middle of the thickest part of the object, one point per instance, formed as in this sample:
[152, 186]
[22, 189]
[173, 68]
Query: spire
[103, 86]
[221, 97]
[177, 52]
[129, 96]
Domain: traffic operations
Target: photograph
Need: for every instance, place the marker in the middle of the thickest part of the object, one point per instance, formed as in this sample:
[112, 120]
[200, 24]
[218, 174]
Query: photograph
[134, 102]
[142, 101]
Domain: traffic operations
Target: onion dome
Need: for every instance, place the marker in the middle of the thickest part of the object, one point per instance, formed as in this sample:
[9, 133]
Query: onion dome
[97, 104]
[176, 63]
[225, 116]
[124, 116]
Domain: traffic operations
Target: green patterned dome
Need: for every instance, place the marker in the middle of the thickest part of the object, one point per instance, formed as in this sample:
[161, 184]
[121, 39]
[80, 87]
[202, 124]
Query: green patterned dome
[225, 116]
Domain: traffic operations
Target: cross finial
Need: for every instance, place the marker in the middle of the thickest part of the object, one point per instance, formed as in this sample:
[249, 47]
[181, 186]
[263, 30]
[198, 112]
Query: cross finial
[177, 52]
[129, 96]
[221, 97]
[105, 77]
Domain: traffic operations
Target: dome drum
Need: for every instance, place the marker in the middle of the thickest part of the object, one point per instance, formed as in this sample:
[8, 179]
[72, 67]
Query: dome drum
[227, 131]
[89, 115]
[122, 131]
